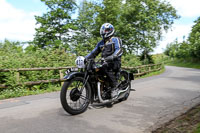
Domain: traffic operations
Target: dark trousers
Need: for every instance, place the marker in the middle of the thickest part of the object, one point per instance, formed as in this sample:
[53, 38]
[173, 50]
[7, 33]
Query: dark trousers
[111, 72]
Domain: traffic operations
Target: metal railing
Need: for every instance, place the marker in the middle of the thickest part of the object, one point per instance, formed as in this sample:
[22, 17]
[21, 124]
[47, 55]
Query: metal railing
[137, 71]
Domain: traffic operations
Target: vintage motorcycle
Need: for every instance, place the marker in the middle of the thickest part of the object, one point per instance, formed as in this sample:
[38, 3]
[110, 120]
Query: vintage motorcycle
[89, 85]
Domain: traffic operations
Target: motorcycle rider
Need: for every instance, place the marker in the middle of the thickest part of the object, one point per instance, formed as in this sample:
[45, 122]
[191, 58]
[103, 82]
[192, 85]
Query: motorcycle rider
[111, 49]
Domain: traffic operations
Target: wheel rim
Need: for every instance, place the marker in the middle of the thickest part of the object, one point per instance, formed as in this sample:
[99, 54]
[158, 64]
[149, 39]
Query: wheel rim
[76, 99]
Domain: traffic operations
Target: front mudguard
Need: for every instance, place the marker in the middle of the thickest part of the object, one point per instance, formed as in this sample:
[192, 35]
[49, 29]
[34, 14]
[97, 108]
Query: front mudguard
[72, 75]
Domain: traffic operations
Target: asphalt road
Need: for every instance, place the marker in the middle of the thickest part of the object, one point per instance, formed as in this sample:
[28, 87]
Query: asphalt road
[157, 99]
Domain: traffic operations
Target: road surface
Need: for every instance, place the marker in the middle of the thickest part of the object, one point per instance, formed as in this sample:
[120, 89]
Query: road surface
[157, 100]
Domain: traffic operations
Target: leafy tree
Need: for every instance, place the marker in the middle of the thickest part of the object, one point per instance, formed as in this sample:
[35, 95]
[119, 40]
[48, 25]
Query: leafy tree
[146, 57]
[183, 50]
[54, 26]
[189, 49]
[172, 48]
[138, 23]
[194, 39]
[83, 39]
[10, 47]
[143, 22]
[107, 11]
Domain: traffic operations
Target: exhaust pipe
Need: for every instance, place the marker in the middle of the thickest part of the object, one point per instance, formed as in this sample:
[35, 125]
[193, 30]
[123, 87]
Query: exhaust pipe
[122, 93]
[99, 94]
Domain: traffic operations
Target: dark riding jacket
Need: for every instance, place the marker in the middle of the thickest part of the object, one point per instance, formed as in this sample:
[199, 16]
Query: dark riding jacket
[111, 50]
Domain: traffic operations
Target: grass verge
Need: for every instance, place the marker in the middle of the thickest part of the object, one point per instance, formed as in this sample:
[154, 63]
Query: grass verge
[182, 63]
[186, 123]
[152, 74]
[19, 91]
[190, 121]
[197, 130]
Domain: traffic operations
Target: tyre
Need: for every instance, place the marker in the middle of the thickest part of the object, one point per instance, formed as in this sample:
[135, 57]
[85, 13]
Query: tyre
[125, 82]
[72, 99]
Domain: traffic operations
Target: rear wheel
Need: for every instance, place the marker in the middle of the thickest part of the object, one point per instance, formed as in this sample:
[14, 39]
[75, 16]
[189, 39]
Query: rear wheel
[125, 83]
[72, 99]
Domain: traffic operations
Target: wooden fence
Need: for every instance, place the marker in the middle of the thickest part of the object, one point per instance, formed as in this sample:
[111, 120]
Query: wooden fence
[138, 71]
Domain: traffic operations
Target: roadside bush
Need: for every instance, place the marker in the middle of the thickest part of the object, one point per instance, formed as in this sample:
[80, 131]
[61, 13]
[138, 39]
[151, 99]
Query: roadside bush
[12, 55]
[131, 60]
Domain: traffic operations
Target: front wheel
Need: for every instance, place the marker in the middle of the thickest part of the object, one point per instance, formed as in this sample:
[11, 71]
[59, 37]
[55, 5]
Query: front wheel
[74, 96]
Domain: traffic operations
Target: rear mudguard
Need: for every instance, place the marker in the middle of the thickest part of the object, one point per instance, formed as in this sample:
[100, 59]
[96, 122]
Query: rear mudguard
[130, 75]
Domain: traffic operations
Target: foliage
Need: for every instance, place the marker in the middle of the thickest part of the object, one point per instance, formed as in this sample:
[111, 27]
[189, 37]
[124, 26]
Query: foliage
[188, 49]
[13, 56]
[160, 58]
[138, 23]
[194, 39]
[172, 49]
[83, 39]
[54, 26]
[142, 23]
[153, 73]
[188, 122]
[184, 63]
[197, 130]
[131, 60]
[146, 58]
[21, 91]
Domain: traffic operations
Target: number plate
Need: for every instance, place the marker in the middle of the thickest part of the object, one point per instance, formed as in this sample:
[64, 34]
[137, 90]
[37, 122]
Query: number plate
[71, 70]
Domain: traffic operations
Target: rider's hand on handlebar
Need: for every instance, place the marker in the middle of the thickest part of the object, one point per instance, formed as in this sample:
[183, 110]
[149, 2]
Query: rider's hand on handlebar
[103, 59]
[85, 60]
[105, 63]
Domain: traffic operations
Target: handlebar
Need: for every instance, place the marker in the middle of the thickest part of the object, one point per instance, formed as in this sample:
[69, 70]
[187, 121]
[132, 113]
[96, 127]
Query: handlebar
[92, 64]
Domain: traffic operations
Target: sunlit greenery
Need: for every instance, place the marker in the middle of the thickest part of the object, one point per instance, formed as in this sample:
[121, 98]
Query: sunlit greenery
[189, 49]
[60, 38]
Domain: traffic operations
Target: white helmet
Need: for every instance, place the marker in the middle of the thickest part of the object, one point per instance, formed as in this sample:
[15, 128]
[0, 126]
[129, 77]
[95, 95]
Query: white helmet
[106, 30]
[80, 62]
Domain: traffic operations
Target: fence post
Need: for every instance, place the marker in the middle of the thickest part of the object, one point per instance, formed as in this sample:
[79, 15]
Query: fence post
[61, 76]
[17, 75]
[138, 70]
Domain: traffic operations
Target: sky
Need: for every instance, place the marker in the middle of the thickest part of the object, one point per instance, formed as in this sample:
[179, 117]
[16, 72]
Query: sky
[17, 22]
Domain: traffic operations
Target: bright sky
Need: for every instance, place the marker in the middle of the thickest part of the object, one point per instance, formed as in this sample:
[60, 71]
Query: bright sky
[189, 12]
[17, 20]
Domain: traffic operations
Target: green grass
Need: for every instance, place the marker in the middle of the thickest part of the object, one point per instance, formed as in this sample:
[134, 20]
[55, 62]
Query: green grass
[188, 122]
[197, 130]
[18, 92]
[152, 74]
[181, 63]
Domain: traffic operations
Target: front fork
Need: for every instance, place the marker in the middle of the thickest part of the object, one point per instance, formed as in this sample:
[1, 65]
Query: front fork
[86, 77]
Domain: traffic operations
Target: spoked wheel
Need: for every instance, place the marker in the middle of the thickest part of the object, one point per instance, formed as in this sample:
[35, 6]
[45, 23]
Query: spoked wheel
[124, 84]
[74, 96]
